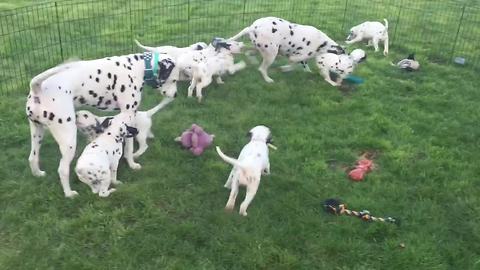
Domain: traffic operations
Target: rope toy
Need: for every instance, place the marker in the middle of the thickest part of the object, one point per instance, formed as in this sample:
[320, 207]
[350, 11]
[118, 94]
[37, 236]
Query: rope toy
[363, 166]
[336, 207]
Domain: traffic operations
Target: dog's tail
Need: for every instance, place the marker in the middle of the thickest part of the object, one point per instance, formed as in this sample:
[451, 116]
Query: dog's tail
[245, 31]
[386, 23]
[36, 82]
[146, 48]
[160, 106]
[232, 161]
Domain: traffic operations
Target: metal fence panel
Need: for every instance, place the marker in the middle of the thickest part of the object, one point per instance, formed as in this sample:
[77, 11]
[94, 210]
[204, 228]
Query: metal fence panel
[43, 35]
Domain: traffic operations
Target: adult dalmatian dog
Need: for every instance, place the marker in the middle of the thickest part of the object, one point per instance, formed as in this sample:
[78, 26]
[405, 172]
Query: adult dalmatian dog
[113, 83]
[272, 36]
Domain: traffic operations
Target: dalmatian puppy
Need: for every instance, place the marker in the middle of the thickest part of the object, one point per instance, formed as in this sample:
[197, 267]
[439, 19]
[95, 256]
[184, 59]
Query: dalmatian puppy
[215, 60]
[98, 163]
[252, 162]
[408, 64]
[173, 51]
[113, 83]
[92, 126]
[374, 32]
[342, 65]
[272, 36]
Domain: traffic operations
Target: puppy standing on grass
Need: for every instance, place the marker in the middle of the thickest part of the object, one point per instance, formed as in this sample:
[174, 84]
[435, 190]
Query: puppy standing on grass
[342, 65]
[252, 162]
[374, 32]
[92, 126]
[98, 163]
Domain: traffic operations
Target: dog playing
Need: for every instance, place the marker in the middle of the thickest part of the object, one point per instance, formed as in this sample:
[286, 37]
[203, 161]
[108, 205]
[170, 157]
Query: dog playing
[408, 64]
[92, 126]
[252, 162]
[173, 51]
[342, 65]
[373, 32]
[216, 60]
[272, 36]
[98, 163]
[113, 83]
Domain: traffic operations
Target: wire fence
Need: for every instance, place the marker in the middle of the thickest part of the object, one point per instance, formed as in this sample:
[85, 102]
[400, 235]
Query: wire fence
[42, 35]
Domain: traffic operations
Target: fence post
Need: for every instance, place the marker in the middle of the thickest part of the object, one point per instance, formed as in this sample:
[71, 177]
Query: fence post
[397, 21]
[243, 14]
[344, 15]
[188, 20]
[131, 23]
[58, 31]
[458, 31]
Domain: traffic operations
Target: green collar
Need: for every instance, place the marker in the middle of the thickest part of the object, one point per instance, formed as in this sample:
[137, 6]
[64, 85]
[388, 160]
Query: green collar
[151, 71]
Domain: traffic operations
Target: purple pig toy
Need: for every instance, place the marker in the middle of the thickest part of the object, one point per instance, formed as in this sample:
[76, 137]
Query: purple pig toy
[195, 139]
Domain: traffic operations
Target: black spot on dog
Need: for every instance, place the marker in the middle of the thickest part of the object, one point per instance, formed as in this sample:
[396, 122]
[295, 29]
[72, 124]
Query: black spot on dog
[291, 33]
[82, 100]
[36, 100]
[255, 34]
[114, 97]
[60, 120]
[97, 80]
[299, 48]
[274, 30]
[90, 76]
[51, 116]
[117, 63]
[293, 45]
[108, 102]
[108, 87]
[129, 68]
[59, 87]
[83, 84]
[135, 103]
[114, 81]
[100, 99]
[266, 46]
[310, 53]
[308, 43]
[109, 75]
[69, 119]
[290, 26]
[127, 106]
[122, 88]
[135, 57]
[44, 113]
[274, 23]
[303, 39]
[99, 71]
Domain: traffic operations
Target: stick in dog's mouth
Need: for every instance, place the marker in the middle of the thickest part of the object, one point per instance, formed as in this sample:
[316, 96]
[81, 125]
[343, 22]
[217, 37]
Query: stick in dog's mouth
[272, 146]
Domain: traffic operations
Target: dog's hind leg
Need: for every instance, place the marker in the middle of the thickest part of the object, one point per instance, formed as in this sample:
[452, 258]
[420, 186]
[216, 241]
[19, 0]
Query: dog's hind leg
[268, 58]
[37, 132]
[385, 46]
[251, 191]
[233, 196]
[375, 43]
[66, 137]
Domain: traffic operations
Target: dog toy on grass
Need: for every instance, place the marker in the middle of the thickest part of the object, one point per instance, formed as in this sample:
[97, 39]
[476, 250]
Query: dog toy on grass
[195, 139]
[363, 166]
[336, 207]
[354, 79]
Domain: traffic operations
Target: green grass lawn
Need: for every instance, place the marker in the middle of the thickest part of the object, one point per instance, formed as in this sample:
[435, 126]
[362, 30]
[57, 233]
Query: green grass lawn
[422, 127]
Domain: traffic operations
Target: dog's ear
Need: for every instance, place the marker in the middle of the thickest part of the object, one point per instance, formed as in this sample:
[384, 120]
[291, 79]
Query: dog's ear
[269, 139]
[219, 43]
[165, 68]
[199, 47]
[100, 127]
[131, 131]
[336, 49]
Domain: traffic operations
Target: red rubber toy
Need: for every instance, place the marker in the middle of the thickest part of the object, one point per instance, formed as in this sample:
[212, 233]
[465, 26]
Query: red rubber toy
[363, 166]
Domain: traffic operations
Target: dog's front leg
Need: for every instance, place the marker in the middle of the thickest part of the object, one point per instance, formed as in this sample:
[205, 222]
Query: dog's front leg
[375, 43]
[219, 80]
[233, 196]
[142, 144]
[251, 191]
[236, 67]
[66, 138]
[192, 86]
[356, 39]
[113, 172]
[326, 75]
[128, 154]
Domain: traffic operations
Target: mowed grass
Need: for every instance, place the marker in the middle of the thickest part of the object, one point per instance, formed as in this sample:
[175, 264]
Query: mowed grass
[422, 127]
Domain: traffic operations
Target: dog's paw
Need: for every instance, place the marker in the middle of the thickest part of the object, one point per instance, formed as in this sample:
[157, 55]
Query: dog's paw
[118, 182]
[135, 166]
[229, 208]
[71, 194]
[269, 80]
[244, 213]
[199, 98]
[39, 173]
[385, 53]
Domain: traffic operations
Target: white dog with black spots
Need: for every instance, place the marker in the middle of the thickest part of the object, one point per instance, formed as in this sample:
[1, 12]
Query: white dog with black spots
[342, 65]
[272, 36]
[113, 83]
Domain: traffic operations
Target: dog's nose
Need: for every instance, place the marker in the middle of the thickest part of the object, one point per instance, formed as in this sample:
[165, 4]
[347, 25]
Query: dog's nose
[164, 92]
[175, 95]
